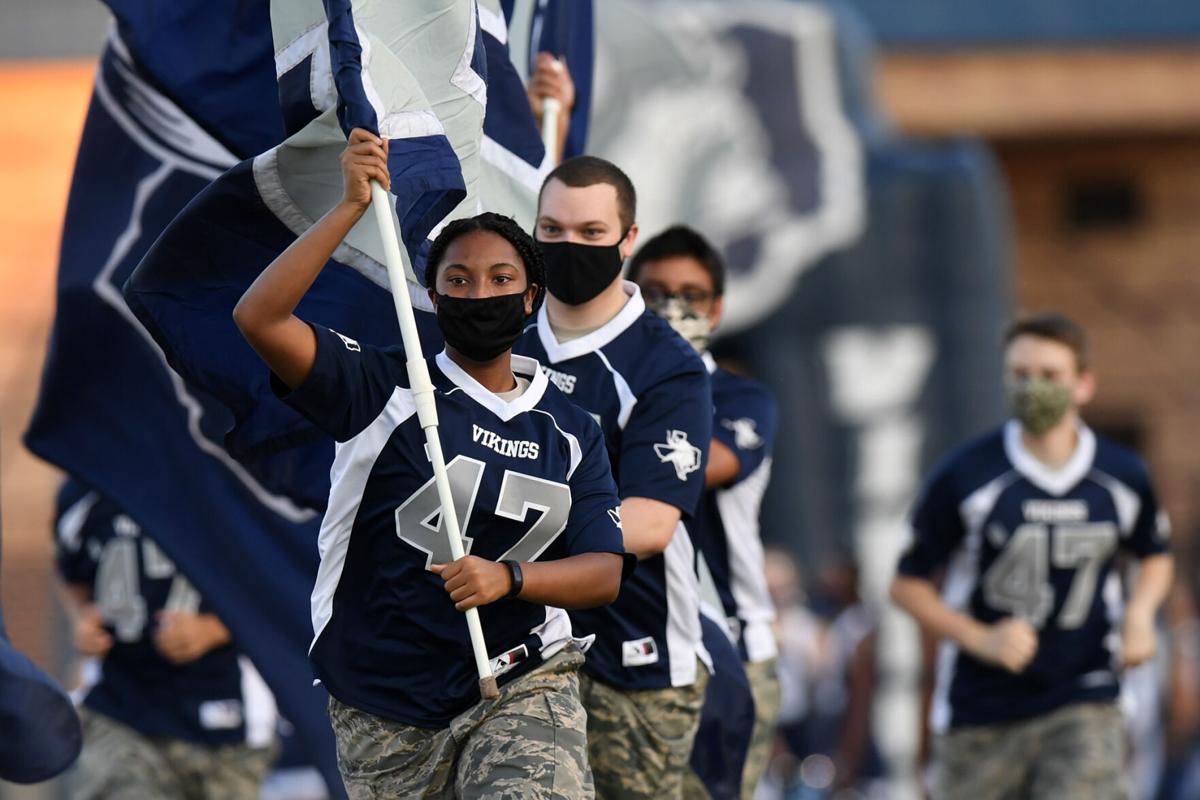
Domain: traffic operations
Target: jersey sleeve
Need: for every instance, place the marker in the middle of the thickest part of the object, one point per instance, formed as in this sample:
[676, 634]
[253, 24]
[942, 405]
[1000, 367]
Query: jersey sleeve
[664, 446]
[747, 427]
[348, 387]
[1151, 532]
[78, 521]
[594, 524]
[937, 528]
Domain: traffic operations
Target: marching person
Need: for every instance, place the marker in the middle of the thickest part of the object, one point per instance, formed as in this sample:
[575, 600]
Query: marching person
[533, 493]
[682, 278]
[170, 709]
[1028, 522]
[645, 676]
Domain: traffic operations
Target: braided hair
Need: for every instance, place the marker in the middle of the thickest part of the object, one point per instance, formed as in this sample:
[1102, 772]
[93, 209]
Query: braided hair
[502, 226]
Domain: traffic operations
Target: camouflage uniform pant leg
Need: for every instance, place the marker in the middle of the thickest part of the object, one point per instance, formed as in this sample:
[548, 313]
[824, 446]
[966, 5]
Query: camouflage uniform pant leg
[1080, 754]
[640, 741]
[219, 772]
[985, 762]
[530, 744]
[118, 763]
[764, 686]
[381, 759]
[693, 786]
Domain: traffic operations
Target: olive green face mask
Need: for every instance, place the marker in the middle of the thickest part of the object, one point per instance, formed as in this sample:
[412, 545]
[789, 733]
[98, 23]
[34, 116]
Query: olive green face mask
[1038, 404]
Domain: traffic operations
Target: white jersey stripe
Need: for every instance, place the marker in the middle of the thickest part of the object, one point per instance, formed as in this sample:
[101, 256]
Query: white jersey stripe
[258, 706]
[352, 465]
[684, 643]
[960, 583]
[738, 507]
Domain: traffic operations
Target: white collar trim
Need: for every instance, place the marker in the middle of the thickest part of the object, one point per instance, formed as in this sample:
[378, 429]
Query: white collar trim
[522, 365]
[564, 351]
[1054, 481]
[709, 362]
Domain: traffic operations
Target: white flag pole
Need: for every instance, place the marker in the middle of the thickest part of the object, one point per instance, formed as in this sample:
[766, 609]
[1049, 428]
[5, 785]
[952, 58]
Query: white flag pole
[422, 392]
[551, 109]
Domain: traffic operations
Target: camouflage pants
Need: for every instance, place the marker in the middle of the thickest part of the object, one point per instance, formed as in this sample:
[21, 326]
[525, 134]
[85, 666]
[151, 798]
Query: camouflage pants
[1075, 751]
[764, 685]
[640, 741]
[118, 763]
[530, 744]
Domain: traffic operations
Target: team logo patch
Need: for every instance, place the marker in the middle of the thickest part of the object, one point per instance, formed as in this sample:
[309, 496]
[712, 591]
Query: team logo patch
[745, 433]
[680, 453]
[639, 652]
[351, 345]
[219, 715]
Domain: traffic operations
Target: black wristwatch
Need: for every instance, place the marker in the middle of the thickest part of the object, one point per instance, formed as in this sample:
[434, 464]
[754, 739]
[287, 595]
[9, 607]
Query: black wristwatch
[518, 580]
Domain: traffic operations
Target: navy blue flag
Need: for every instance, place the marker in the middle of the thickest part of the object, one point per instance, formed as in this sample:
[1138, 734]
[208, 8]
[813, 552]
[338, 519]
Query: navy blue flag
[445, 160]
[41, 730]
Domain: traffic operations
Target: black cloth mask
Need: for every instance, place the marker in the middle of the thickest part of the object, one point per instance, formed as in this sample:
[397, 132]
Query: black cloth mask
[481, 328]
[576, 273]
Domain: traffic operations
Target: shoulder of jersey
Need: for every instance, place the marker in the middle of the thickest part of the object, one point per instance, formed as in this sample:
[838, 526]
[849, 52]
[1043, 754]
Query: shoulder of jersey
[660, 350]
[72, 491]
[736, 385]
[975, 462]
[570, 417]
[1120, 462]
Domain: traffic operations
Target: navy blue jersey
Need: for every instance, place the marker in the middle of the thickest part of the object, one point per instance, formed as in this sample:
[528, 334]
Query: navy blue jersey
[650, 392]
[216, 699]
[725, 529]
[1021, 540]
[530, 481]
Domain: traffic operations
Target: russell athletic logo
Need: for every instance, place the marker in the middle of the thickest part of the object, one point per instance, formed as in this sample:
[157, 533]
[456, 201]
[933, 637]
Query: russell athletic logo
[680, 453]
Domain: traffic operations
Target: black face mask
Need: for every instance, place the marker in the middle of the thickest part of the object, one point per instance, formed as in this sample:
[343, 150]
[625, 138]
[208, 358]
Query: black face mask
[481, 328]
[575, 273]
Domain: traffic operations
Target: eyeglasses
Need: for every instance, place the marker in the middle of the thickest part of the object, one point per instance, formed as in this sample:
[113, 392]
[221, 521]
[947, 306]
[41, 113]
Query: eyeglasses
[693, 297]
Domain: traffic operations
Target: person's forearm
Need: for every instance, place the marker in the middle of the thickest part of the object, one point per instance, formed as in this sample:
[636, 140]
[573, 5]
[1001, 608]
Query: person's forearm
[1152, 585]
[582, 581]
[722, 466]
[278, 290]
[920, 599]
[647, 525]
[218, 634]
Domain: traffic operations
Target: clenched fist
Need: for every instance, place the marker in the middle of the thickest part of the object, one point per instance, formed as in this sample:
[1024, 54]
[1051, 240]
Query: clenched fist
[472, 581]
[363, 160]
[91, 638]
[183, 637]
[1010, 643]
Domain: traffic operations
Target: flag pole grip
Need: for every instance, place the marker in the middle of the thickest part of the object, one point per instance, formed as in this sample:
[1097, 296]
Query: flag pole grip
[422, 391]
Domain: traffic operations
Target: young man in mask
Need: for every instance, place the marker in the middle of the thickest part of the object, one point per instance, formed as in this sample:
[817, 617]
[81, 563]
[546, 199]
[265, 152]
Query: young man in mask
[1027, 523]
[643, 684]
[683, 281]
